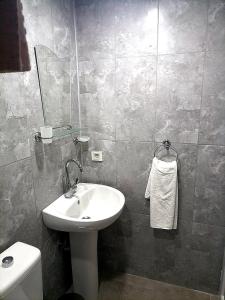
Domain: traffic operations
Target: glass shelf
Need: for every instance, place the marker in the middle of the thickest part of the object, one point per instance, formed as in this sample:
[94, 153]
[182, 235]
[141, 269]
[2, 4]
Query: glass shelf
[63, 131]
[59, 132]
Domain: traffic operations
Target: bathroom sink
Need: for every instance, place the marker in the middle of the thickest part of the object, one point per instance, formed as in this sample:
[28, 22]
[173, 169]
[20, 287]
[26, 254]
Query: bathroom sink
[93, 207]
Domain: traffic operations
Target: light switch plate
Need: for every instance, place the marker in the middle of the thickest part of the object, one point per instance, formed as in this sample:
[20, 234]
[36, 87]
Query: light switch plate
[96, 156]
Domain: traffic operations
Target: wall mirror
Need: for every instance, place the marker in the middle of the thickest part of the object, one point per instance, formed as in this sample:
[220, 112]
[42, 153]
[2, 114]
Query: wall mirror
[55, 86]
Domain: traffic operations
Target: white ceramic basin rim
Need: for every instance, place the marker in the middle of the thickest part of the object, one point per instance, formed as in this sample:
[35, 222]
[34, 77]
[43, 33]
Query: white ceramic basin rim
[93, 207]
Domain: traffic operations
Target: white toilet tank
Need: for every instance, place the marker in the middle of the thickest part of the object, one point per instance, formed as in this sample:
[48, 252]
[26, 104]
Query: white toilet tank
[22, 278]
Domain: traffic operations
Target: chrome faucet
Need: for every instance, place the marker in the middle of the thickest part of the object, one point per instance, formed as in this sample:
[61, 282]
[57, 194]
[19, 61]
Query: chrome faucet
[72, 188]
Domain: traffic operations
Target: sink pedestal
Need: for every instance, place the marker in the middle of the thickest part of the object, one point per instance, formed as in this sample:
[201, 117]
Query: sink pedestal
[85, 263]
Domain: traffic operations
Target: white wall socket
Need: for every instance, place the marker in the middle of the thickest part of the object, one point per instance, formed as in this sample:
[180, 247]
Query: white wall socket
[96, 156]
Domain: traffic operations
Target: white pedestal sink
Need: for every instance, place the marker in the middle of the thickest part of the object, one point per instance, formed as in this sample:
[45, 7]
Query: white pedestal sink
[94, 207]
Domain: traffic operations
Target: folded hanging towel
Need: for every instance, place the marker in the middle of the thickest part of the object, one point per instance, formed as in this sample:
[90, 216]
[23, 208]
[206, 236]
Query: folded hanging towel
[162, 188]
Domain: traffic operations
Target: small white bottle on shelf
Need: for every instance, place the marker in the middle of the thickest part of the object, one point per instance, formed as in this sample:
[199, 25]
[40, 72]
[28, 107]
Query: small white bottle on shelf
[46, 134]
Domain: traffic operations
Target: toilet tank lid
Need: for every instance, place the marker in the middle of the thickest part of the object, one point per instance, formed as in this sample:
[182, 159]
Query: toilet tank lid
[25, 258]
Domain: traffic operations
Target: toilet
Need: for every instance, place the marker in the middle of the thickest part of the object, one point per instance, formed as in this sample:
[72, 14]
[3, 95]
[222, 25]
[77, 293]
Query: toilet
[21, 273]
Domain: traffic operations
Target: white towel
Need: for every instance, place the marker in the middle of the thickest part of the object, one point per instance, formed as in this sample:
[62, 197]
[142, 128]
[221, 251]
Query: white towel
[162, 188]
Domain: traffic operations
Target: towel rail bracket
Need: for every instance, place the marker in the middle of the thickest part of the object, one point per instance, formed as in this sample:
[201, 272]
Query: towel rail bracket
[166, 144]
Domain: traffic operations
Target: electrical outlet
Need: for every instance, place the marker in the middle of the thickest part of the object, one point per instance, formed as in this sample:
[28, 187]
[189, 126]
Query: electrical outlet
[96, 156]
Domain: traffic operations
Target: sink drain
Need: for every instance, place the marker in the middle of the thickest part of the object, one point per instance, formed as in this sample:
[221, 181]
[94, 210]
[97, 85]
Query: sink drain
[86, 217]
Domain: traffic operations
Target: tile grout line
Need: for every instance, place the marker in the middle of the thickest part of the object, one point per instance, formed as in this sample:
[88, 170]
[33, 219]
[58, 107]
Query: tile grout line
[203, 69]
[159, 54]
[77, 62]
[115, 89]
[77, 74]
[156, 142]
[34, 190]
[156, 83]
[16, 161]
[199, 124]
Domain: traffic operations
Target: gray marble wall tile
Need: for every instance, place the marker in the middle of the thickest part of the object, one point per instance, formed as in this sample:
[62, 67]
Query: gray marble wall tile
[18, 219]
[140, 260]
[177, 126]
[129, 225]
[122, 227]
[182, 26]
[214, 73]
[133, 167]
[146, 252]
[183, 269]
[14, 140]
[11, 82]
[4, 110]
[75, 109]
[33, 111]
[136, 27]
[216, 25]
[97, 76]
[56, 100]
[100, 172]
[107, 262]
[187, 155]
[69, 150]
[131, 231]
[56, 262]
[179, 91]
[158, 260]
[208, 243]
[38, 22]
[135, 97]
[209, 206]
[17, 90]
[164, 256]
[95, 27]
[47, 173]
[208, 238]
[136, 77]
[62, 27]
[97, 97]
[212, 126]
[179, 85]
[206, 269]
[212, 122]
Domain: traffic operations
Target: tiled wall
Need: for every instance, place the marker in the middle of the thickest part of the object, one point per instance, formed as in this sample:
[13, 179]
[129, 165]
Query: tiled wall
[151, 70]
[31, 174]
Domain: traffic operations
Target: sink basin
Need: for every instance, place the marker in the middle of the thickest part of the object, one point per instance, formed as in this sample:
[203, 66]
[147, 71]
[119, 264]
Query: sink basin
[94, 207]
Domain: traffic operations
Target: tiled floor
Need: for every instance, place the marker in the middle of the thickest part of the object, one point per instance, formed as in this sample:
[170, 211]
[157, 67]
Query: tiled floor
[130, 287]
